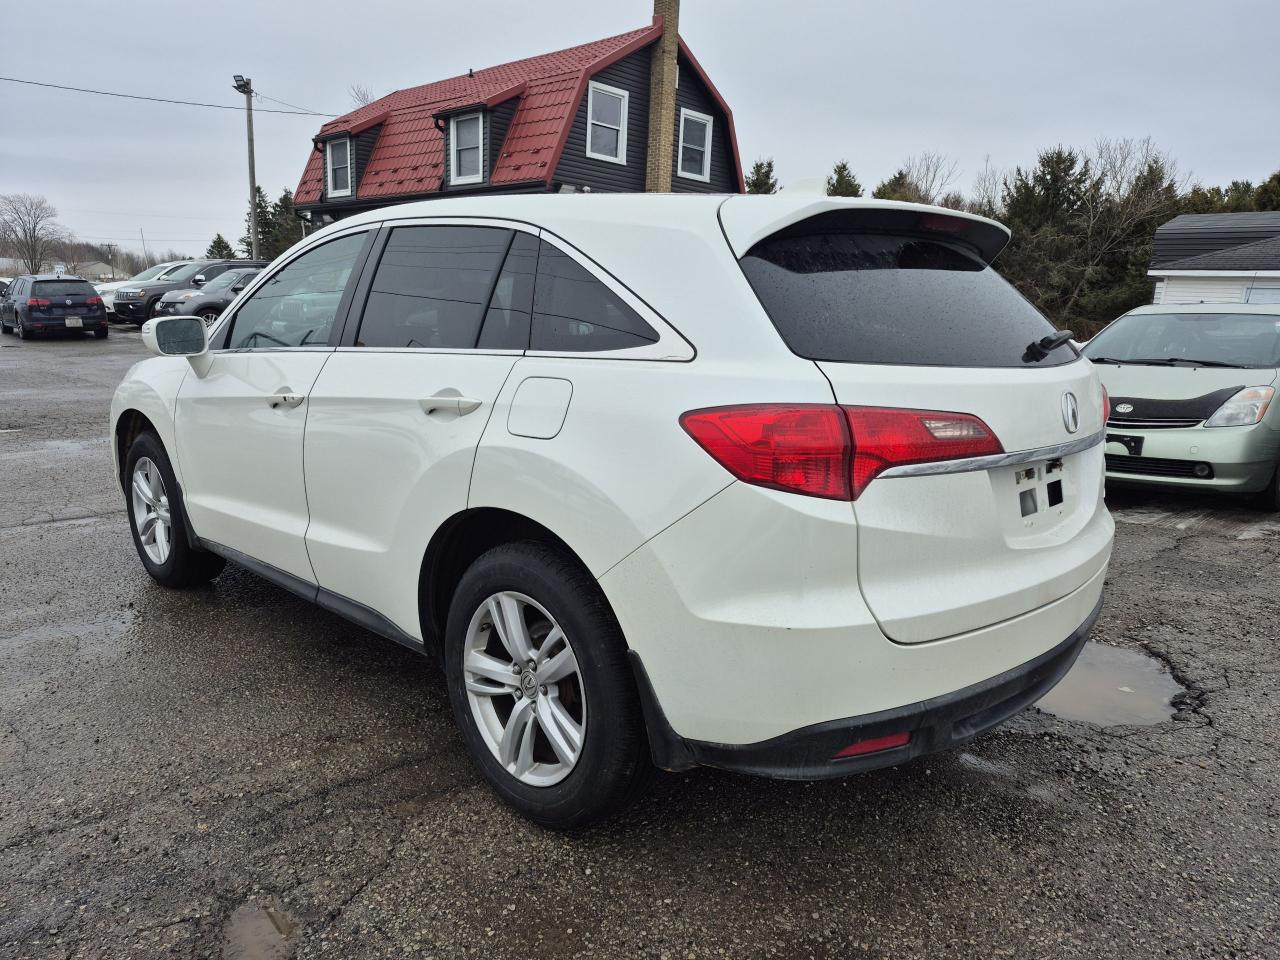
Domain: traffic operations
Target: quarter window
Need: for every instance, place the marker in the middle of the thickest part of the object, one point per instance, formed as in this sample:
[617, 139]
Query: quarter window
[573, 312]
[339, 168]
[506, 324]
[695, 145]
[466, 134]
[432, 286]
[607, 123]
[296, 307]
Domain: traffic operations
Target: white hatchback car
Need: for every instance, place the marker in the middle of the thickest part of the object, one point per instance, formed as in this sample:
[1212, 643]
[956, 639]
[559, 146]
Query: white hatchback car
[789, 485]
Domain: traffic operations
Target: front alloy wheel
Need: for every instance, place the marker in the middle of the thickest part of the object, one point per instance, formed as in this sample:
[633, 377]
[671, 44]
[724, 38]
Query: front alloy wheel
[524, 689]
[151, 515]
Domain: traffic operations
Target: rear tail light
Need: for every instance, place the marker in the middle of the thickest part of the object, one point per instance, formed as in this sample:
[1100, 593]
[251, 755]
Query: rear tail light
[827, 451]
[93, 302]
[862, 747]
[37, 302]
[1106, 405]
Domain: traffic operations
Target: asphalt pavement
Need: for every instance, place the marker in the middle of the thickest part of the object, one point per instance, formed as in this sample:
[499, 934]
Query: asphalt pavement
[231, 772]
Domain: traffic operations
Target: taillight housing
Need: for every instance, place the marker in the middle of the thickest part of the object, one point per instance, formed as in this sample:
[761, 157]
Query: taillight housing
[823, 450]
[37, 302]
[1106, 405]
[93, 302]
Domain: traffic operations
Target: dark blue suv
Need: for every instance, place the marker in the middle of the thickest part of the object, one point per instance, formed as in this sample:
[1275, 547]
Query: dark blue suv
[52, 303]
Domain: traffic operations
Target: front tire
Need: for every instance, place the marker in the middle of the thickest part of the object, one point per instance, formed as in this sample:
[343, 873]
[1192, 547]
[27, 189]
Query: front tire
[537, 672]
[1269, 499]
[158, 520]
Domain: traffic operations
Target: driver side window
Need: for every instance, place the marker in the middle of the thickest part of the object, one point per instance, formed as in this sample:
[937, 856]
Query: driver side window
[297, 306]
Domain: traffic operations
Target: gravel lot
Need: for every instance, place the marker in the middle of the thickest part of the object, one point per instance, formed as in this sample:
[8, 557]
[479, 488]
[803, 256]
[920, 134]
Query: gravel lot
[234, 773]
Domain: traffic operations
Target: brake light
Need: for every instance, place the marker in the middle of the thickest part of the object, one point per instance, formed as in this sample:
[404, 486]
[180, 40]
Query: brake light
[890, 742]
[822, 450]
[93, 302]
[1106, 405]
[800, 447]
[37, 302]
[886, 437]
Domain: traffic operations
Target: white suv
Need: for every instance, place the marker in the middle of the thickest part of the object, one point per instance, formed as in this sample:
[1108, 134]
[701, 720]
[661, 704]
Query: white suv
[789, 485]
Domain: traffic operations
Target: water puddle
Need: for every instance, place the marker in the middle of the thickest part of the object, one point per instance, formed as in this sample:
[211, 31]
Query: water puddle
[259, 933]
[1111, 686]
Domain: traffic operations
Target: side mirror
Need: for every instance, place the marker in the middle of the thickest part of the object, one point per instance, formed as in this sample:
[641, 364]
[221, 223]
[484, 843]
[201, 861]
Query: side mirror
[176, 336]
[198, 279]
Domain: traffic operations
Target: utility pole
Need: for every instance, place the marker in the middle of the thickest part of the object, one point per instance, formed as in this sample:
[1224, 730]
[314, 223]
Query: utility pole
[111, 252]
[245, 85]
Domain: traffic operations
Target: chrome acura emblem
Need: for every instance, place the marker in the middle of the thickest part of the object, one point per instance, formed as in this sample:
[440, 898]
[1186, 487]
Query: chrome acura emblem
[1124, 408]
[1070, 412]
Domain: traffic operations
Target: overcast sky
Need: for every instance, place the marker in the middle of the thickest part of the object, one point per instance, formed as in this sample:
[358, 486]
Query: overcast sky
[809, 82]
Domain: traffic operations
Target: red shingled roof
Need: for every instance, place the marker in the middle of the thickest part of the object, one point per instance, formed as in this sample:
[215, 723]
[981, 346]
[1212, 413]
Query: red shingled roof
[408, 157]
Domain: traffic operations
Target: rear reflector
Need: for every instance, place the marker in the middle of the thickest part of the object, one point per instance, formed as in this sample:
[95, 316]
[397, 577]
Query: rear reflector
[822, 450]
[889, 742]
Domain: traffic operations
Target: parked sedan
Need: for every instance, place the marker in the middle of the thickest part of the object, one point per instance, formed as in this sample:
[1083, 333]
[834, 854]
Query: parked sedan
[1191, 390]
[209, 301]
[42, 304]
[791, 485]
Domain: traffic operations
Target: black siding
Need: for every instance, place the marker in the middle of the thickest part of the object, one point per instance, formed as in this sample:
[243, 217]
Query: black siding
[362, 148]
[499, 122]
[631, 74]
[692, 94]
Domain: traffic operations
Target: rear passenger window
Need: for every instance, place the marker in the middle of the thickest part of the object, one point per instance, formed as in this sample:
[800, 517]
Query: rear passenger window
[431, 287]
[575, 312]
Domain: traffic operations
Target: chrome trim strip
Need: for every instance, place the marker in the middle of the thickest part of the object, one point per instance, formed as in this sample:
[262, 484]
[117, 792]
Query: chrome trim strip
[972, 464]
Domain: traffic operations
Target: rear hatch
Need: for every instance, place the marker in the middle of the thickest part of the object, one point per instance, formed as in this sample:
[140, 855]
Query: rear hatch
[62, 299]
[898, 307]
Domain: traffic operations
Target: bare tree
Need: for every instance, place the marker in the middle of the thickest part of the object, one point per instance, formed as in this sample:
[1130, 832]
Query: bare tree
[987, 186]
[28, 223]
[360, 95]
[931, 173]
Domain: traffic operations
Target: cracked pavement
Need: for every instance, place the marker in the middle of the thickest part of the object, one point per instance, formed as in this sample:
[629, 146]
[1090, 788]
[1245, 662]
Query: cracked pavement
[233, 773]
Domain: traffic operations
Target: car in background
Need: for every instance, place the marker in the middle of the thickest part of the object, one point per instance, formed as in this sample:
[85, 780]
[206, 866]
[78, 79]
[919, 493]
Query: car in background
[1192, 388]
[108, 290]
[52, 303]
[136, 302]
[790, 485]
[209, 301]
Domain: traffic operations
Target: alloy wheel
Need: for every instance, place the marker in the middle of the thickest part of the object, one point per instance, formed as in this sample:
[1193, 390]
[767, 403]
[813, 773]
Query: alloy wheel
[151, 515]
[525, 689]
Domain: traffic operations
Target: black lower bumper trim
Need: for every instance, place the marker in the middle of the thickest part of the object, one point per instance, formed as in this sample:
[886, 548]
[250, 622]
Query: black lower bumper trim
[935, 724]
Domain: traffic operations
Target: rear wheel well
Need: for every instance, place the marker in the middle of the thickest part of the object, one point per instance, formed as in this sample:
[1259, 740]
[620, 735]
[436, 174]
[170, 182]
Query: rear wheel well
[128, 427]
[458, 543]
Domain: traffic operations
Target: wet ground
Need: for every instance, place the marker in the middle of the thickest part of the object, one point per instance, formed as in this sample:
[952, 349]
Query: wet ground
[231, 773]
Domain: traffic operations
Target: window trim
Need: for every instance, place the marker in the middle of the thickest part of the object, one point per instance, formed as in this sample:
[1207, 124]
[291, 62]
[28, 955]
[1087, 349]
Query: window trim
[330, 190]
[705, 176]
[454, 178]
[621, 157]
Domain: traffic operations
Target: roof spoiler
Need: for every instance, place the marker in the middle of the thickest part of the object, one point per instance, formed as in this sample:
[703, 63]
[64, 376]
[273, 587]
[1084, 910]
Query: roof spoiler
[747, 220]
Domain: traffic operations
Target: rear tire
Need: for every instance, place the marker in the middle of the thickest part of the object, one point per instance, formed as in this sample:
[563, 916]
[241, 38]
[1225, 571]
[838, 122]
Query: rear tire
[585, 679]
[21, 331]
[101, 333]
[158, 520]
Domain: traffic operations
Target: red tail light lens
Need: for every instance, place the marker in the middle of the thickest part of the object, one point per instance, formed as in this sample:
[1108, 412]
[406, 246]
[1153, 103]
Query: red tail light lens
[1106, 405]
[890, 742]
[800, 447]
[37, 302]
[885, 437]
[827, 451]
[93, 301]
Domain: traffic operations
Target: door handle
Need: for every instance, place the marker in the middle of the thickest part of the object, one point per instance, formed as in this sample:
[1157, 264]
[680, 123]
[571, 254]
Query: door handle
[449, 404]
[284, 399]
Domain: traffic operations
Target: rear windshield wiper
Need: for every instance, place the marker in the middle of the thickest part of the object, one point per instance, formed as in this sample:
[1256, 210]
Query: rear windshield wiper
[1037, 350]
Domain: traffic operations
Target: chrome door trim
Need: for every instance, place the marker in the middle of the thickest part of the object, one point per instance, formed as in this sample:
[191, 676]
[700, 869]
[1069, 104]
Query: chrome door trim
[972, 464]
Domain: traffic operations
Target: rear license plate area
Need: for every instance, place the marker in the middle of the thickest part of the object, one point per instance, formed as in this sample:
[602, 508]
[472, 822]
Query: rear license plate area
[1039, 488]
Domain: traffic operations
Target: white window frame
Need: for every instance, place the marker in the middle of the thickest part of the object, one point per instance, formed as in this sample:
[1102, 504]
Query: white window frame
[328, 169]
[621, 158]
[705, 176]
[454, 178]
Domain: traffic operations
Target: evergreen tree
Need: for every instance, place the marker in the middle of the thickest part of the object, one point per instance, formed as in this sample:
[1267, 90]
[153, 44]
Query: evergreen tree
[761, 179]
[264, 226]
[842, 182]
[899, 187]
[219, 249]
[1267, 196]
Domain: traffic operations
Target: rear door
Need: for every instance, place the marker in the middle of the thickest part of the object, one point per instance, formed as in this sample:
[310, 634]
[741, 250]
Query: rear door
[441, 316]
[66, 303]
[899, 309]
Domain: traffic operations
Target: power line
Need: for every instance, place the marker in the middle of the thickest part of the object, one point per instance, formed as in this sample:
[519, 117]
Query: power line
[184, 103]
[263, 96]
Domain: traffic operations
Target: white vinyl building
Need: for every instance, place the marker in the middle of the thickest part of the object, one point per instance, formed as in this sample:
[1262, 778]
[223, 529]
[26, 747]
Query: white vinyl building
[1217, 258]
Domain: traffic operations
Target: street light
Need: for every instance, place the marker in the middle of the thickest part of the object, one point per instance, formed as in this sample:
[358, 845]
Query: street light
[245, 86]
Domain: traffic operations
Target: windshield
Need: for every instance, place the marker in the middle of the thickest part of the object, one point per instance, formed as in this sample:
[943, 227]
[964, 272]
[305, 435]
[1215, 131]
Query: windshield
[152, 272]
[184, 271]
[222, 280]
[1219, 339]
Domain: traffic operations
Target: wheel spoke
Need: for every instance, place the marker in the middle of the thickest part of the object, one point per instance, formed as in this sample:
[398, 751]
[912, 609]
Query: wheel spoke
[508, 620]
[141, 488]
[488, 676]
[559, 666]
[562, 730]
[162, 540]
[514, 733]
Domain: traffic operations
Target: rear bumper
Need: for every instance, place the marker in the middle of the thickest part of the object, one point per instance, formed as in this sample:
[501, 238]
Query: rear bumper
[938, 723]
[58, 325]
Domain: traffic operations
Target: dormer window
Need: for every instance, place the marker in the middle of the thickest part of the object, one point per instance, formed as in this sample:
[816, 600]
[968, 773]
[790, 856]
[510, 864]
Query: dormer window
[695, 146]
[607, 123]
[466, 139]
[338, 155]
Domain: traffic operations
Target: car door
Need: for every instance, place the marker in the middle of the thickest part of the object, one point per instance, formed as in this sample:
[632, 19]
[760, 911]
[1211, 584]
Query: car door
[441, 316]
[239, 423]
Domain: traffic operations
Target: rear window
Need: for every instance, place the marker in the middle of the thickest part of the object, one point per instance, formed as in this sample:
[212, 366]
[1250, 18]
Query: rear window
[857, 296]
[63, 288]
